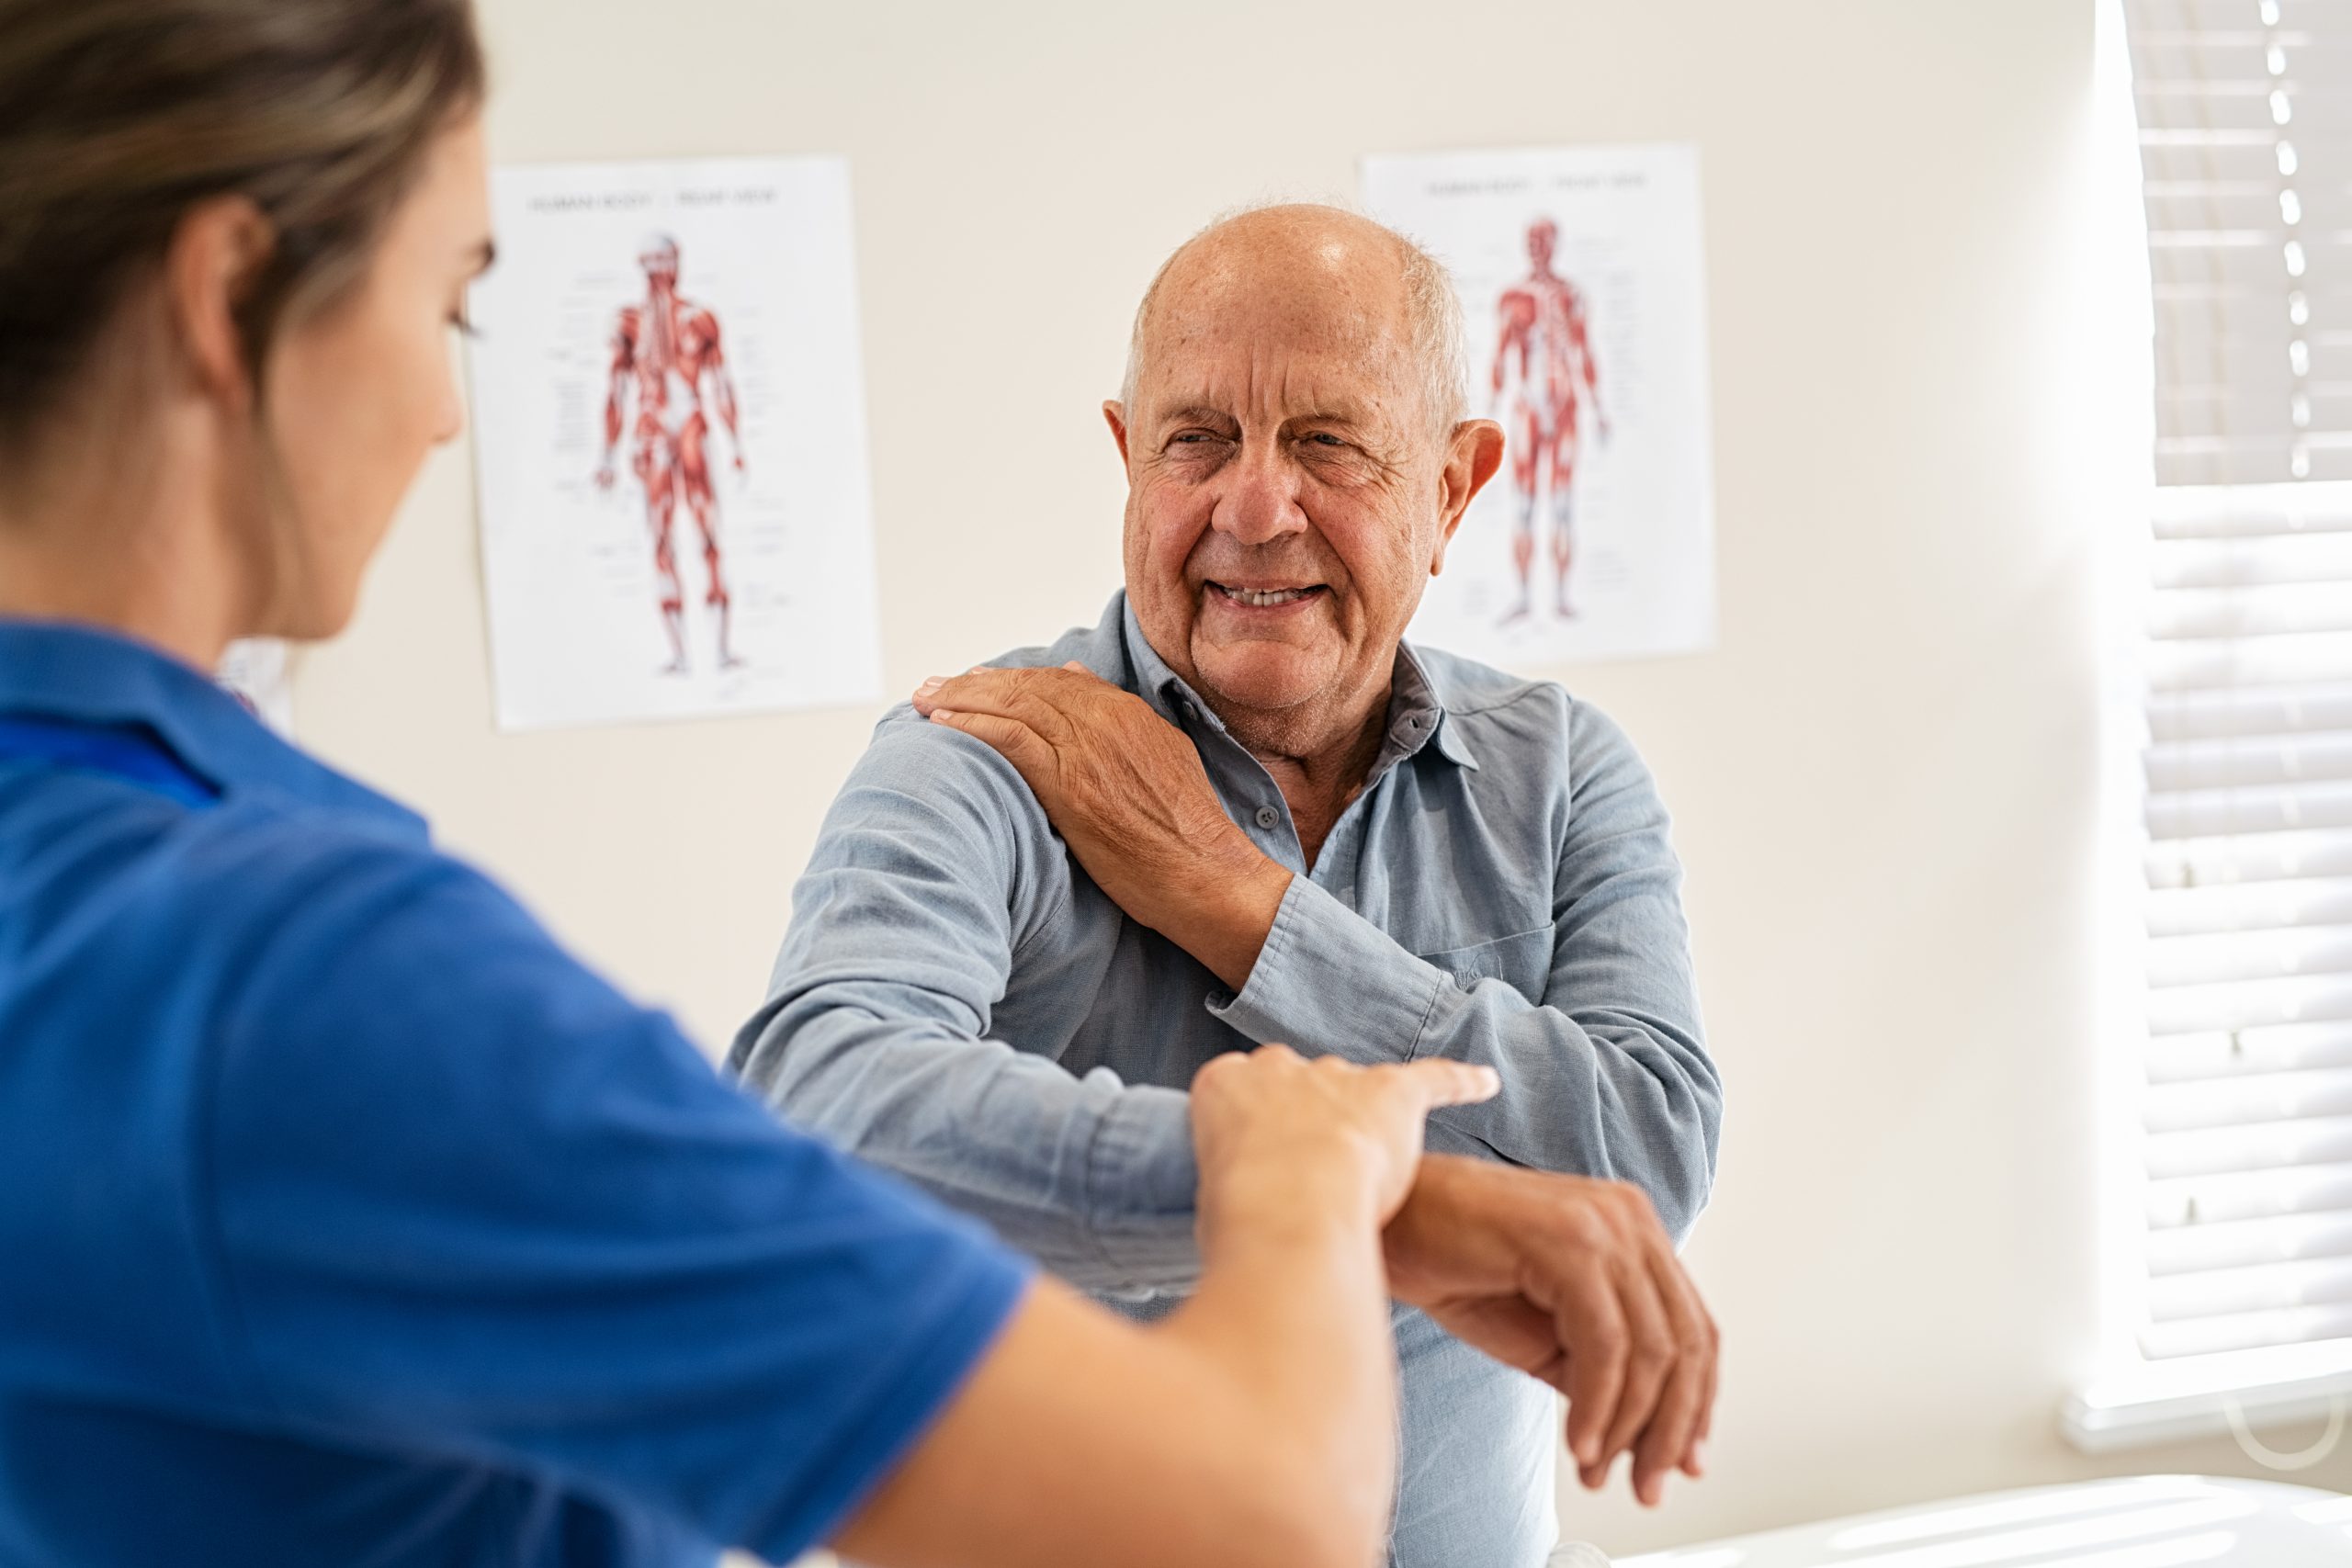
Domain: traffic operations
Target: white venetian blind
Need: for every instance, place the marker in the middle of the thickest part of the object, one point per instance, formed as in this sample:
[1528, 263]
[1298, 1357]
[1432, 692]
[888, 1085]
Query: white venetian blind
[2246, 136]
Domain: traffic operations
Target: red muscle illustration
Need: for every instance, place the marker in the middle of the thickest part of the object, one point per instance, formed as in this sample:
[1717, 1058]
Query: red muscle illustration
[665, 349]
[1544, 349]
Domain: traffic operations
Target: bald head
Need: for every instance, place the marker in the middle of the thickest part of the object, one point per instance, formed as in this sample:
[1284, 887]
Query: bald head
[1297, 460]
[1354, 278]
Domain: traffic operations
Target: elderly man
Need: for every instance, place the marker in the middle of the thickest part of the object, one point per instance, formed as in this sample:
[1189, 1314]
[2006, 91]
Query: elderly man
[1241, 810]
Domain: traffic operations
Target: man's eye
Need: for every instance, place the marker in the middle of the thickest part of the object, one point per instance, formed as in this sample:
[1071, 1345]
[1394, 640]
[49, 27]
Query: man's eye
[1326, 438]
[1191, 438]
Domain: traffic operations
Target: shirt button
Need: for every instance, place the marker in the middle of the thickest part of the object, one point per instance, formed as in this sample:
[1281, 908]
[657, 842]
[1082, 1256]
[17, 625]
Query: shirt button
[1268, 816]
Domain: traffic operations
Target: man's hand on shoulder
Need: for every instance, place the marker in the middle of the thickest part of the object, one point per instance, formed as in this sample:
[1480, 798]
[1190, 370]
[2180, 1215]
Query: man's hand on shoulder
[1125, 790]
[1574, 1281]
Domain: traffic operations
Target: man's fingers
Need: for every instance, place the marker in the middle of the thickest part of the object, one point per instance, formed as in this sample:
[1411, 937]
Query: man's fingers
[1018, 744]
[1050, 701]
[1665, 1445]
[1649, 1356]
[1694, 1464]
[1697, 1344]
[992, 685]
[1666, 1442]
[1592, 1327]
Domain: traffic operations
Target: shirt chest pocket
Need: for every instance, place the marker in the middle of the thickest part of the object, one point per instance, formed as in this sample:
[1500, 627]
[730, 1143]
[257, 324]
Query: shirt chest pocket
[1522, 962]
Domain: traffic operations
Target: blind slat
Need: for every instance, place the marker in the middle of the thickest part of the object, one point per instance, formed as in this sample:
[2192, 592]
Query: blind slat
[2226, 1197]
[2246, 1331]
[2250, 1244]
[2292, 1047]
[2208, 813]
[2240, 1004]
[2217, 861]
[2264, 907]
[2248, 762]
[2249, 711]
[2248, 1099]
[2258, 1287]
[2242, 1150]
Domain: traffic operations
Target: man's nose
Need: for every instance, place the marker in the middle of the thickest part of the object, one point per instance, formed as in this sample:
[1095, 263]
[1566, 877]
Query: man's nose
[1261, 499]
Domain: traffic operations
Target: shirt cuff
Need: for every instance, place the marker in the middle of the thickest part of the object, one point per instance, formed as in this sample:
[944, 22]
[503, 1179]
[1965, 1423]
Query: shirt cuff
[1142, 1184]
[1329, 983]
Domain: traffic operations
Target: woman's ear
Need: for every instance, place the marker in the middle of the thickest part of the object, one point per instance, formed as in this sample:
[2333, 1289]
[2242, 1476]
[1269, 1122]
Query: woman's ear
[215, 254]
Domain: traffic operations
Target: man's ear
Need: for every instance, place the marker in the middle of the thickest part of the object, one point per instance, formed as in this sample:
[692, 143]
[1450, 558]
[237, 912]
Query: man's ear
[1114, 414]
[1472, 456]
[215, 253]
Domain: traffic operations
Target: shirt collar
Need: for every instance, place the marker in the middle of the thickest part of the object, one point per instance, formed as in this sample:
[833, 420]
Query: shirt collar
[1417, 710]
[86, 676]
[1416, 693]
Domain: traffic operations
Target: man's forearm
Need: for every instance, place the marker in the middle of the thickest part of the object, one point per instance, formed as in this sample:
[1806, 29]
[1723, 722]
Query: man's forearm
[1615, 1083]
[1091, 1177]
[1225, 914]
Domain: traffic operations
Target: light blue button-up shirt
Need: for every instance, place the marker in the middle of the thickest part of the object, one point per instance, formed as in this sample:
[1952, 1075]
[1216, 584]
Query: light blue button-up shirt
[957, 1001]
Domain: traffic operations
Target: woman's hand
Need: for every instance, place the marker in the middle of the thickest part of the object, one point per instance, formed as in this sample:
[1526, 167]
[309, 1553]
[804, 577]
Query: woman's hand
[1272, 1127]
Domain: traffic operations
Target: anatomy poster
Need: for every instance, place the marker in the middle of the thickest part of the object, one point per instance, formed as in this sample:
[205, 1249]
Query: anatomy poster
[1583, 295]
[670, 429]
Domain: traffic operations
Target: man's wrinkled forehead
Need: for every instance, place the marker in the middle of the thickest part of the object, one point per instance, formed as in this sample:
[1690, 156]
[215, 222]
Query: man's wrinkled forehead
[1258, 328]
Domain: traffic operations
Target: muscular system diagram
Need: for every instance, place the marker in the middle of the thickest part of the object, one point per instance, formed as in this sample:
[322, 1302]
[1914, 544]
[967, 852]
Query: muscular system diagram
[1543, 356]
[666, 354]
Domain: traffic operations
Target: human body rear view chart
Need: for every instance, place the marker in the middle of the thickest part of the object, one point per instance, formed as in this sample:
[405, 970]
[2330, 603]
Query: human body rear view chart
[672, 446]
[1583, 288]
[1543, 354]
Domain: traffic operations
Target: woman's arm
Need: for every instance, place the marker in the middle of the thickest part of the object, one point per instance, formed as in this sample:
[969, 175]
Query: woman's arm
[1258, 1424]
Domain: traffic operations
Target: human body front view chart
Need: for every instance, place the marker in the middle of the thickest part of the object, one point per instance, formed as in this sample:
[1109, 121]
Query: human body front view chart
[665, 350]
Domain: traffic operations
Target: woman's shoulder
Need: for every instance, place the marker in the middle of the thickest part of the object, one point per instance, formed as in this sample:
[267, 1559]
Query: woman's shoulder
[115, 885]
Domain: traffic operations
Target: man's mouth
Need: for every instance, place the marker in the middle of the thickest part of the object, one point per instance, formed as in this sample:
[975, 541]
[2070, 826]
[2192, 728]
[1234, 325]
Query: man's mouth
[1266, 598]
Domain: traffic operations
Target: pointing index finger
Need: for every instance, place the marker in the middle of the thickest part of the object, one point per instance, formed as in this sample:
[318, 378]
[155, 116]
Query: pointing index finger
[1444, 1082]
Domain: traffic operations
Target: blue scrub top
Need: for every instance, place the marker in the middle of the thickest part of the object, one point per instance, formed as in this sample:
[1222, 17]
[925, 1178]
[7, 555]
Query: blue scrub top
[345, 1219]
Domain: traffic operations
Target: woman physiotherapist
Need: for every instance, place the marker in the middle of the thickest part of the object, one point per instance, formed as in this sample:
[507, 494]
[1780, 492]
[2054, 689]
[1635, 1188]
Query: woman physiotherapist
[345, 1219]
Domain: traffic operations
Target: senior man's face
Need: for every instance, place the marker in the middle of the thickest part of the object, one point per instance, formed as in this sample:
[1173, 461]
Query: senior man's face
[1289, 496]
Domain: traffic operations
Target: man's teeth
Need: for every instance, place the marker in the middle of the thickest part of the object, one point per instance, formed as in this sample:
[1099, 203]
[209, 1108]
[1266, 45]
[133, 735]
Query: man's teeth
[1261, 598]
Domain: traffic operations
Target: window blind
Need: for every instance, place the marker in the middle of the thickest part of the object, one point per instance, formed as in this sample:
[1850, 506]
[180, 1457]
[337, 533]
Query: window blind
[2244, 114]
[2246, 146]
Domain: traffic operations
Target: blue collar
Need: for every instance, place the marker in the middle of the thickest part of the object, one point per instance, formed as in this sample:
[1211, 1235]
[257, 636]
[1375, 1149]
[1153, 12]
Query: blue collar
[83, 674]
[1417, 709]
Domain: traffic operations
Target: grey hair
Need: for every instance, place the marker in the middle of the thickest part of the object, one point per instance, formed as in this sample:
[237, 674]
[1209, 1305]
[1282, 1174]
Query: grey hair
[1431, 302]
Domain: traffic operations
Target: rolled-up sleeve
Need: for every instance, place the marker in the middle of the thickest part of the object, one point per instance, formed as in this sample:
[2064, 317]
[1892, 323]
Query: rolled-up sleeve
[1607, 1075]
[932, 871]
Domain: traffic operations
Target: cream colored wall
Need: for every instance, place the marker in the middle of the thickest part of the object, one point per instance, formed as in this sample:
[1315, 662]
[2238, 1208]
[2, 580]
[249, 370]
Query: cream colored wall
[1884, 781]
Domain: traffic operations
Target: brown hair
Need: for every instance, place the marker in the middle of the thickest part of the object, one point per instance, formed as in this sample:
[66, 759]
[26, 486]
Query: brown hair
[115, 115]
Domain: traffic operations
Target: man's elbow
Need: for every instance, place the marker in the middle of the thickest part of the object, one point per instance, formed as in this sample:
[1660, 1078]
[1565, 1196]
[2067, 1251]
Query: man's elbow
[1683, 1169]
[786, 1058]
